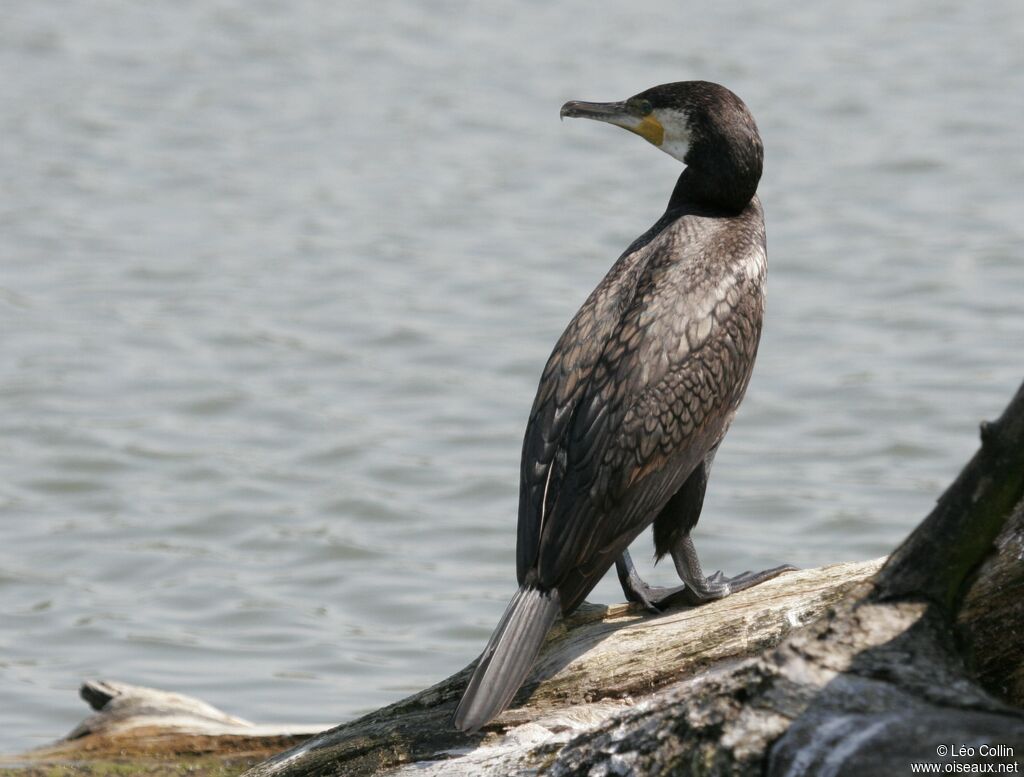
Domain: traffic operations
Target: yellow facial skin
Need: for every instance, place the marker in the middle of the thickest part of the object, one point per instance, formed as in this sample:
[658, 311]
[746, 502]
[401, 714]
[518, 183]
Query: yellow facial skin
[650, 129]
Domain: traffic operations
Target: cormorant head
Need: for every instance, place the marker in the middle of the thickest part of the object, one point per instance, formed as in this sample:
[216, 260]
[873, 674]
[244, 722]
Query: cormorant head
[703, 125]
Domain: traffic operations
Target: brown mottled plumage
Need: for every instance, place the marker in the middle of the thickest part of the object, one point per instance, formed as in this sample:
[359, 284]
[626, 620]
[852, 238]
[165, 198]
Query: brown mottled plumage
[640, 388]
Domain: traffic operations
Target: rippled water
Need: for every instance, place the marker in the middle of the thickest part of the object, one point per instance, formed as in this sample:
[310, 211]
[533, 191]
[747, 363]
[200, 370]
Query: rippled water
[277, 282]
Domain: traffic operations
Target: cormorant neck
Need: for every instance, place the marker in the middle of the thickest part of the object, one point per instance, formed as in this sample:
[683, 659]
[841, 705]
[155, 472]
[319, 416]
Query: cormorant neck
[719, 177]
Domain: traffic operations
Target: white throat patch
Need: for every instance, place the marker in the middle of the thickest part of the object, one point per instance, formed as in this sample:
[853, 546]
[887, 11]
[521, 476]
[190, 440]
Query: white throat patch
[677, 133]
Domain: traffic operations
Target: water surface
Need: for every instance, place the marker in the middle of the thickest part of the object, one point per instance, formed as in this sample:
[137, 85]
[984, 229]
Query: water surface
[277, 282]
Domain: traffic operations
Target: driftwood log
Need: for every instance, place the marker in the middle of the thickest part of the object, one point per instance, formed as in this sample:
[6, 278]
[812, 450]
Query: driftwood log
[145, 731]
[596, 662]
[853, 669]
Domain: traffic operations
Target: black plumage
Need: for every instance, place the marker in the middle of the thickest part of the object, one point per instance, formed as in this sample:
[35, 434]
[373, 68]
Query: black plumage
[641, 387]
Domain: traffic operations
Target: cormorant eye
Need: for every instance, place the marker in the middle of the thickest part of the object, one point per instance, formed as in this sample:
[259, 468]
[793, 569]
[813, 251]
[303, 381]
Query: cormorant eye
[639, 107]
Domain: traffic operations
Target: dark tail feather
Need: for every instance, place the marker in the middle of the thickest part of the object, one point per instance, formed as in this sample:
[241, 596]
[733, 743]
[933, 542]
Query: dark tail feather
[507, 659]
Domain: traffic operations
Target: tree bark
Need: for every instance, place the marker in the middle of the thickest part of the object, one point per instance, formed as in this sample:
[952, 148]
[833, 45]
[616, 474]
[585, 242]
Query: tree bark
[852, 669]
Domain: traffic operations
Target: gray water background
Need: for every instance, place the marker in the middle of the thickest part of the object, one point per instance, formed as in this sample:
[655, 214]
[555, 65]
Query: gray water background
[277, 281]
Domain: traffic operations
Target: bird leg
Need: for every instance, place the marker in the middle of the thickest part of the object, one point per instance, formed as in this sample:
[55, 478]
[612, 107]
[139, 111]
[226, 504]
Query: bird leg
[636, 590]
[701, 589]
[696, 589]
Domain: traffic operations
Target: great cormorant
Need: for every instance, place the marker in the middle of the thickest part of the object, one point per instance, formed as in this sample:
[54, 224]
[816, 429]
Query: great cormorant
[640, 388]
